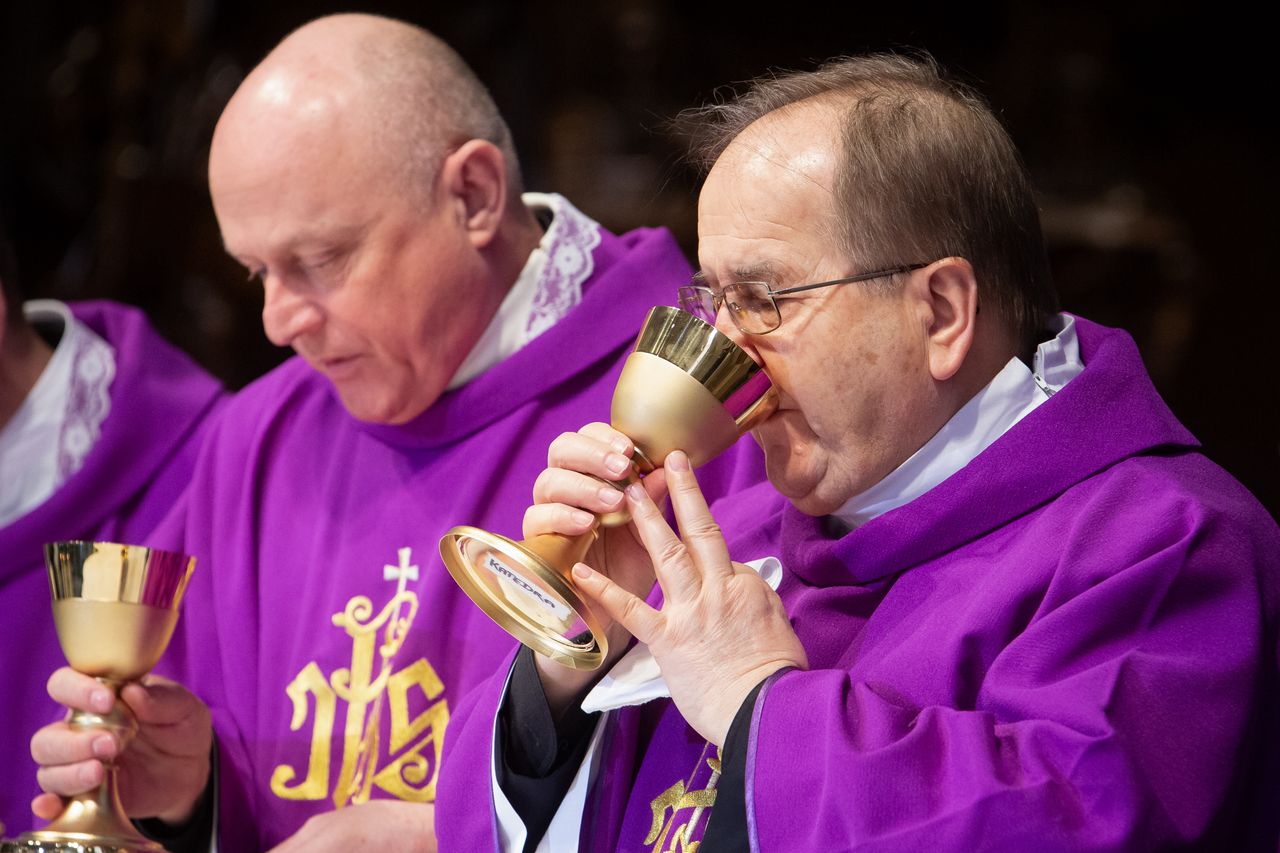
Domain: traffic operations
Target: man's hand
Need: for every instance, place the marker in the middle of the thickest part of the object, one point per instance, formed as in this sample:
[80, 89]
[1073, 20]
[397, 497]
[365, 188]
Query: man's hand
[721, 630]
[376, 825]
[567, 496]
[163, 771]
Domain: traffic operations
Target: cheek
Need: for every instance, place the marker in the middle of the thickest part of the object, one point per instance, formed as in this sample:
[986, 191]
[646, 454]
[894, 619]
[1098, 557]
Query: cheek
[841, 395]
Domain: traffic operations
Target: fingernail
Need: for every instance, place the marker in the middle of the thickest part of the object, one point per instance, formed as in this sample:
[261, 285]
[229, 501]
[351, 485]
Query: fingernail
[616, 464]
[103, 747]
[677, 461]
[622, 445]
[583, 518]
[89, 775]
[635, 491]
[100, 700]
[610, 495]
[580, 570]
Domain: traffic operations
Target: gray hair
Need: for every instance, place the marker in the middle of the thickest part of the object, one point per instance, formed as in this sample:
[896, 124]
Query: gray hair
[430, 100]
[927, 172]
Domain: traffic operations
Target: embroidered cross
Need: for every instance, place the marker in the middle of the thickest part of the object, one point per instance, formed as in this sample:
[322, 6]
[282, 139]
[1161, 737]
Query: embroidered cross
[403, 572]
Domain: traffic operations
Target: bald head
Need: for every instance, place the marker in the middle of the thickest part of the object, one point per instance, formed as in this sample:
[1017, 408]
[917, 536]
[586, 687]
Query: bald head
[363, 175]
[397, 97]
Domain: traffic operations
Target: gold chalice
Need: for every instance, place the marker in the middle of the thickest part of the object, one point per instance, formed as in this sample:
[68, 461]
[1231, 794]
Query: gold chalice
[685, 387]
[114, 607]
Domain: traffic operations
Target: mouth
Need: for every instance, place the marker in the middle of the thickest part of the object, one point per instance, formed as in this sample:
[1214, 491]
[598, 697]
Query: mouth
[335, 366]
[785, 401]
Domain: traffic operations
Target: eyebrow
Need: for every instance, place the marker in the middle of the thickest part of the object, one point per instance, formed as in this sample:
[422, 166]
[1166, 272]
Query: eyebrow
[311, 238]
[764, 271]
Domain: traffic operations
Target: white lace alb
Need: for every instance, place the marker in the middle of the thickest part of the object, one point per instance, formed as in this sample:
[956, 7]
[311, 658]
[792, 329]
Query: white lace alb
[548, 287]
[70, 400]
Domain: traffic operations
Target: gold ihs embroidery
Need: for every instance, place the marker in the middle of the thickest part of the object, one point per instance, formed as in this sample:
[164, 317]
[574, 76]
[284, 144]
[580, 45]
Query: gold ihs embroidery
[316, 785]
[667, 806]
[411, 776]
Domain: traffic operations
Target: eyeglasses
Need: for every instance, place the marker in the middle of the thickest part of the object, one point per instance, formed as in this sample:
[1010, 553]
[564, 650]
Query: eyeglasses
[753, 305]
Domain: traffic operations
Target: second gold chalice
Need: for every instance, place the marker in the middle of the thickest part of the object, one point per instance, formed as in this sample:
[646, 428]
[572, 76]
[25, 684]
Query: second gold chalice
[115, 607]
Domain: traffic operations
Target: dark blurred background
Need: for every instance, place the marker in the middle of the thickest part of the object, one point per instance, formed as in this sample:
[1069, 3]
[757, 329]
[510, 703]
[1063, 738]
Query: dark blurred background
[1142, 123]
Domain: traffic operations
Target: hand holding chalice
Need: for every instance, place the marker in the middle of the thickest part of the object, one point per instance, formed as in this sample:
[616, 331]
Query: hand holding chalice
[686, 386]
[115, 607]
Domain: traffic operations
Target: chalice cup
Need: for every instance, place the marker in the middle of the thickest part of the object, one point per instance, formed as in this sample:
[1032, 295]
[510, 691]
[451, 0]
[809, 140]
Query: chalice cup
[114, 607]
[686, 386]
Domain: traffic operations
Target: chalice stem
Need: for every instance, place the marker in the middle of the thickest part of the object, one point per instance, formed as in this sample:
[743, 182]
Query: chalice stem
[99, 812]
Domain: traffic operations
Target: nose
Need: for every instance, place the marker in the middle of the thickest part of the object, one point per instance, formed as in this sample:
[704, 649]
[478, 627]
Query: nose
[725, 325]
[286, 314]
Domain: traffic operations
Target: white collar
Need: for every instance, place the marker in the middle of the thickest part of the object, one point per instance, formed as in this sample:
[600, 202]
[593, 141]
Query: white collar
[1013, 394]
[48, 438]
[549, 285]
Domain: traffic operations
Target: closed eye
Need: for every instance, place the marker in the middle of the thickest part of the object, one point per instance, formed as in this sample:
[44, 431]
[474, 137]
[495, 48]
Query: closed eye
[325, 269]
[321, 261]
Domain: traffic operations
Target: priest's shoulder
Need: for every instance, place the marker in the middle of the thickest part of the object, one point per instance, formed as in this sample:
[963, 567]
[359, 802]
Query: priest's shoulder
[652, 249]
[127, 327]
[658, 238]
[1157, 499]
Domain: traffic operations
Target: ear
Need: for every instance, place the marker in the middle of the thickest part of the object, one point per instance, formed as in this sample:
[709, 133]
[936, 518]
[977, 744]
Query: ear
[474, 177]
[950, 294]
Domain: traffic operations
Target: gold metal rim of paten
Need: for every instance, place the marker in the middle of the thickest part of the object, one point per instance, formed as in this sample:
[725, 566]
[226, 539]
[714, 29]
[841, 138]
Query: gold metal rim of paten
[524, 629]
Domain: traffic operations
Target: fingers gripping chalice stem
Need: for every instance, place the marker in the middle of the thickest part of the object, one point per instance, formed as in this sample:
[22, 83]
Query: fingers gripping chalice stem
[114, 607]
[685, 387]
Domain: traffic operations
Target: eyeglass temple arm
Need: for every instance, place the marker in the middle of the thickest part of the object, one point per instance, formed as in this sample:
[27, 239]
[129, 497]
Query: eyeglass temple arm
[851, 280]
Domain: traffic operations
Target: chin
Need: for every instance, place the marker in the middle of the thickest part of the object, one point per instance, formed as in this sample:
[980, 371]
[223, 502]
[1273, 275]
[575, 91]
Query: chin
[803, 497]
[811, 503]
[791, 460]
[370, 411]
[799, 487]
[392, 408]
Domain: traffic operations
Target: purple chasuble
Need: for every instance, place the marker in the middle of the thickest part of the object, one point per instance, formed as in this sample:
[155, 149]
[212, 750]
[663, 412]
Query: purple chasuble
[1068, 645]
[324, 630]
[132, 477]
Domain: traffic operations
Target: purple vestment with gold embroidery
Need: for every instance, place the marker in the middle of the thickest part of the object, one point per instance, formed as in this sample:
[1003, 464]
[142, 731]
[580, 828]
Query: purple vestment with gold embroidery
[322, 627]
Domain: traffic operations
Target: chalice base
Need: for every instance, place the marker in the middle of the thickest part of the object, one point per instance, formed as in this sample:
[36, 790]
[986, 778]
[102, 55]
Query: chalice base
[37, 842]
[91, 823]
[525, 587]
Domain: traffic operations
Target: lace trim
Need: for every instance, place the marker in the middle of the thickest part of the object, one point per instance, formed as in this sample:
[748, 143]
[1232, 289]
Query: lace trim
[88, 402]
[573, 237]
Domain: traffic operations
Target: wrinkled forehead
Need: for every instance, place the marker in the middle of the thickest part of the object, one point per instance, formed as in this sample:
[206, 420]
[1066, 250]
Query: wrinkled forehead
[769, 202]
[801, 139]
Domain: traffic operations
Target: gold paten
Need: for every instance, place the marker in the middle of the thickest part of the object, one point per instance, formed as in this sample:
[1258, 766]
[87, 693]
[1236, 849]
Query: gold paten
[685, 387]
[114, 607]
